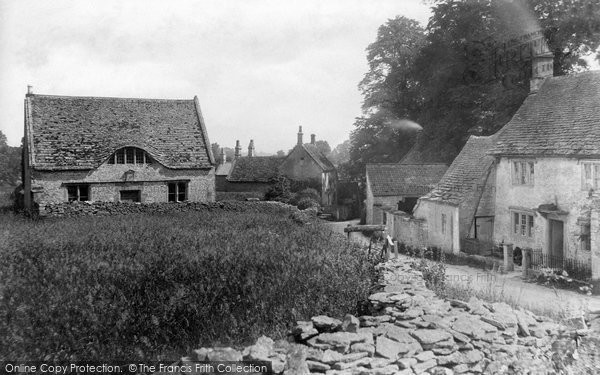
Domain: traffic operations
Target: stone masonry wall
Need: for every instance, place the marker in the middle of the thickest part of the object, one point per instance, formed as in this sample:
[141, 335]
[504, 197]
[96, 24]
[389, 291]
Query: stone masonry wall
[78, 209]
[411, 331]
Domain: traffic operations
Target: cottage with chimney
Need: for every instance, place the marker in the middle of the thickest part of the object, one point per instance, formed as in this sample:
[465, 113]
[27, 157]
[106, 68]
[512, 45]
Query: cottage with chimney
[305, 164]
[115, 149]
[548, 169]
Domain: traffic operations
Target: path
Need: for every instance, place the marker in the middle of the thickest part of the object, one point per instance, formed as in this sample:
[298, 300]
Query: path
[527, 295]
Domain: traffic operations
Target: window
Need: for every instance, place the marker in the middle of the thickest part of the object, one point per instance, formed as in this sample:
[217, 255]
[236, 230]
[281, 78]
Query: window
[522, 224]
[590, 176]
[443, 223]
[78, 193]
[584, 238]
[130, 155]
[523, 172]
[177, 192]
[384, 219]
[130, 196]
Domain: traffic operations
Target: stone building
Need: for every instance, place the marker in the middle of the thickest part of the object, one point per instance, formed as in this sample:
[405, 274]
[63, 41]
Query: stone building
[462, 204]
[307, 163]
[304, 165]
[396, 187]
[548, 169]
[115, 149]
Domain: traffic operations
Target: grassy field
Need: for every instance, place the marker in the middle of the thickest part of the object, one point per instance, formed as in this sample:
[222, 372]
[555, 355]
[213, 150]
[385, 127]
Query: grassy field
[149, 286]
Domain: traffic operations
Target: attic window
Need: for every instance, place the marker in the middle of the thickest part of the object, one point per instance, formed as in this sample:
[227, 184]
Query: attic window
[130, 155]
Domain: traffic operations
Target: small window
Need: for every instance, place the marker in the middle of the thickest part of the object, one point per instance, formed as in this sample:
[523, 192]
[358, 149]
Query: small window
[590, 176]
[130, 155]
[585, 239]
[177, 191]
[130, 196]
[78, 193]
[523, 224]
[444, 223]
[523, 172]
[384, 219]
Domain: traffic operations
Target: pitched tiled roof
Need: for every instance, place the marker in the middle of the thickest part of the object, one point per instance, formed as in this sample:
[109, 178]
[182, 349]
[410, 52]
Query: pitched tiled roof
[467, 173]
[318, 157]
[223, 169]
[404, 179]
[82, 132]
[255, 169]
[562, 118]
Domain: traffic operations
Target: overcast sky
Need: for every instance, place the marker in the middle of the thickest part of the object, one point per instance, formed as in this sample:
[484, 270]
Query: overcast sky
[260, 68]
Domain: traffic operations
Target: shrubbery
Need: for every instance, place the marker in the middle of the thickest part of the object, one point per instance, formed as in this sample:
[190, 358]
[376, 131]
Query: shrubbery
[141, 286]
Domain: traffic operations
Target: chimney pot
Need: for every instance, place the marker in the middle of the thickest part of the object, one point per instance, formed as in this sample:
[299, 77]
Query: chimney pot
[29, 90]
[313, 139]
[300, 135]
[251, 148]
[238, 150]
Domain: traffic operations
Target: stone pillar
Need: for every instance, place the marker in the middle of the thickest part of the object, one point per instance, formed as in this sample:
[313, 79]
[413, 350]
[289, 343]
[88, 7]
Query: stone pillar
[508, 258]
[595, 253]
[526, 261]
[396, 249]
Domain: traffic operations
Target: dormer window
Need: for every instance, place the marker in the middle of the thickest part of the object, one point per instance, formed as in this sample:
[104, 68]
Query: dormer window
[130, 155]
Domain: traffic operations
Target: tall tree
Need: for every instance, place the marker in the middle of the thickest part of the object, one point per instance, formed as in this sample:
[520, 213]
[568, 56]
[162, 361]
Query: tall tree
[10, 163]
[463, 74]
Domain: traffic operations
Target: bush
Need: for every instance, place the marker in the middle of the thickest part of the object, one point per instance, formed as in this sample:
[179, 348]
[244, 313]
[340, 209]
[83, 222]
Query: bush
[143, 286]
[305, 203]
[279, 191]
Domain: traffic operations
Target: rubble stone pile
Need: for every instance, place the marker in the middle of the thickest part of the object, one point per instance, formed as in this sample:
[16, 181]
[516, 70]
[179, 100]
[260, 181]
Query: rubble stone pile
[411, 331]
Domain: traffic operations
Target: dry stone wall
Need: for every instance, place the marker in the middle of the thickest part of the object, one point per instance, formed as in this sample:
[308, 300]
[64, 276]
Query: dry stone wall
[78, 209]
[411, 331]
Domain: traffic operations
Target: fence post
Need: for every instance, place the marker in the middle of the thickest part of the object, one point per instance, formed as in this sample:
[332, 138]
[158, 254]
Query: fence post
[508, 258]
[396, 253]
[526, 261]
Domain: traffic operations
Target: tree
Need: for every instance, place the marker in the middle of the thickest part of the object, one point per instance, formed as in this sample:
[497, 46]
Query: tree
[10, 163]
[461, 75]
[323, 146]
[280, 153]
[341, 153]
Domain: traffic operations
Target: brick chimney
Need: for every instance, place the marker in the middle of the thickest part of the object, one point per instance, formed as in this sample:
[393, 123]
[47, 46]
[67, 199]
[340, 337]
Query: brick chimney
[300, 135]
[313, 139]
[29, 90]
[238, 150]
[251, 148]
[542, 64]
[223, 157]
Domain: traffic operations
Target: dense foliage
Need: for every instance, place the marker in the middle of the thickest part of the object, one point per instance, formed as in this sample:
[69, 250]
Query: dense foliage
[455, 77]
[10, 163]
[141, 286]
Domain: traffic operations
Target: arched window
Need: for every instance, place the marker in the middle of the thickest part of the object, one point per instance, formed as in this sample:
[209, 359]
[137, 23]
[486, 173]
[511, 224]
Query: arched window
[130, 155]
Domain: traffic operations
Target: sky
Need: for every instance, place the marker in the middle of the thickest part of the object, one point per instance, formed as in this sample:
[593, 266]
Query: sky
[260, 68]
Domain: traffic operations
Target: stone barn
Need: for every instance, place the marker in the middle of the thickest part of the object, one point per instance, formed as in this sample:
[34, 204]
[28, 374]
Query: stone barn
[115, 149]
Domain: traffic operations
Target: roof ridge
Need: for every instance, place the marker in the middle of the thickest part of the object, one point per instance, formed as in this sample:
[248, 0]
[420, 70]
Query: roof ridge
[106, 97]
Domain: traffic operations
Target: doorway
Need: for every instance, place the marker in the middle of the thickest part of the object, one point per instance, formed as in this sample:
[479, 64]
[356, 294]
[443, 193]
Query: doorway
[556, 240]
[484, 228]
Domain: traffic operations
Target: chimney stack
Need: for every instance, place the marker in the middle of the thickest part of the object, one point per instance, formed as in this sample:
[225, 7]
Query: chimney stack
[238, 150]
[29, 90]
[313, 139]
[251, 148]
[300, 135]
[223, 157]
[542, 64]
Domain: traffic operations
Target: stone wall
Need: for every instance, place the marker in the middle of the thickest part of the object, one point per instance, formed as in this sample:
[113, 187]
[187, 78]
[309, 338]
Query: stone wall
[408, 230]
[77, 209]
[108, 180]
[411, 331]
